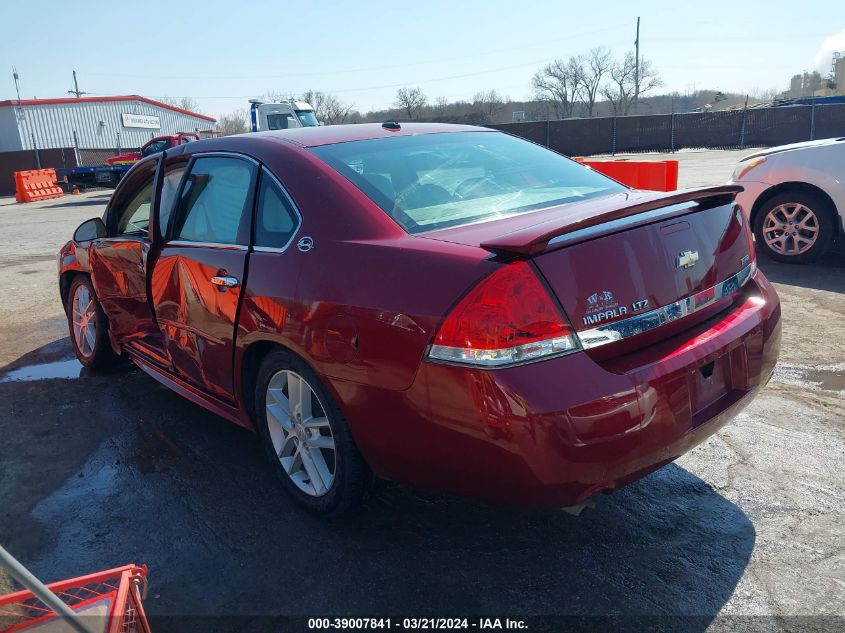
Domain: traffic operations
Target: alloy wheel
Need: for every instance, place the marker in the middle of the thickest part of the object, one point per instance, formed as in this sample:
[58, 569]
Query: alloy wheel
[301, 433]
[791, 229]
[84, 321]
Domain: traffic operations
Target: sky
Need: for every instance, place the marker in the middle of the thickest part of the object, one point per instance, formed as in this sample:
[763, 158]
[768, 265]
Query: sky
[224, 53]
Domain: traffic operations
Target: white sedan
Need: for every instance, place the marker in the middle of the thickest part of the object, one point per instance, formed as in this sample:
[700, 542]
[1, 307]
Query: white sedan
[795, 197]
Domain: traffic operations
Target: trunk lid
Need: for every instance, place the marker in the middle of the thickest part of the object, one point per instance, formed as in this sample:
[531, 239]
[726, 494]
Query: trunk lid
[610, 260]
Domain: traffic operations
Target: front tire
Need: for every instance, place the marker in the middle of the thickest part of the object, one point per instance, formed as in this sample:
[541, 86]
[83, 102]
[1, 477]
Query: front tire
[89, 326]
[306, 438]
[795, 227]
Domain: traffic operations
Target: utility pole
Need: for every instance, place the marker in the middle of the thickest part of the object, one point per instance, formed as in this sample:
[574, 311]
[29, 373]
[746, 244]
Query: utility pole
[76, 91]
[17, 85]
[637, 68]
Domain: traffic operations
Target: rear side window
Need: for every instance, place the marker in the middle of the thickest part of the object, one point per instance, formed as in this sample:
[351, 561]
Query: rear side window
[276, 221]
[213, 206]
[280, 121]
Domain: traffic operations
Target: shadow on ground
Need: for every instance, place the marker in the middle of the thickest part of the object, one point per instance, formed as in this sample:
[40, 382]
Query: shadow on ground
[115, 469]
[89, 201]
[826, 274]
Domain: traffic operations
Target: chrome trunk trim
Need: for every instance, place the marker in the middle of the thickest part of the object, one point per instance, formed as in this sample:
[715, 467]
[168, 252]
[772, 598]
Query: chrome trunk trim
[639, 323]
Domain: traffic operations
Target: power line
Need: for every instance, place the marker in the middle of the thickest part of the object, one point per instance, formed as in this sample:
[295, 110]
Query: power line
[384, 86]
[535, 44]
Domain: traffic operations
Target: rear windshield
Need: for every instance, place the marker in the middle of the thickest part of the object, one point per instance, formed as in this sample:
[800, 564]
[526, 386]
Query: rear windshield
[434, 181]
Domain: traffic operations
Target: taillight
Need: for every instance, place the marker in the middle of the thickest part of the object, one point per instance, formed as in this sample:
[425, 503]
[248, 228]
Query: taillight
[508, 318]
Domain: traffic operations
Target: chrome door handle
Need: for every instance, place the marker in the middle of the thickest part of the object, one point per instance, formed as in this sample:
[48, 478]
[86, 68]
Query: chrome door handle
[224, 282]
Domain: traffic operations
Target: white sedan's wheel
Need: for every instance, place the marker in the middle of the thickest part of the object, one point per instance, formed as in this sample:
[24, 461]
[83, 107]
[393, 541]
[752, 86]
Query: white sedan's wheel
[795, 227]
[791, 229]
[84, 321]
[300, 432]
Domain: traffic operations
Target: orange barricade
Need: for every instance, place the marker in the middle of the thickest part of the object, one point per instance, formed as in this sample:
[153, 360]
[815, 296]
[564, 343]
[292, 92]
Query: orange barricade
[36, 184]
[655, 175]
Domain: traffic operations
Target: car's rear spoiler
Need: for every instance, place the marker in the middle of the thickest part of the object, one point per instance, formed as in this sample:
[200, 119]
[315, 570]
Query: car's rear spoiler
[535, 239]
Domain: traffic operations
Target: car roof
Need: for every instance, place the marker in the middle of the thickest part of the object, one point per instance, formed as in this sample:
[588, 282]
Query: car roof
[330, 134]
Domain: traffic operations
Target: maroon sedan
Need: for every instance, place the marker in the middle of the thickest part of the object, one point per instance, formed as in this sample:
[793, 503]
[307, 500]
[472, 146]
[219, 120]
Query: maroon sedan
[445, 306]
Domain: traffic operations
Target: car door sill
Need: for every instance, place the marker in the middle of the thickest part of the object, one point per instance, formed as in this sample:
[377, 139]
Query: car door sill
[185, 390]
[151, 353]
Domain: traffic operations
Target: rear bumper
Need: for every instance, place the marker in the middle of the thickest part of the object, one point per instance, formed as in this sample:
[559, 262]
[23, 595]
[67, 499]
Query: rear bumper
[558, 431]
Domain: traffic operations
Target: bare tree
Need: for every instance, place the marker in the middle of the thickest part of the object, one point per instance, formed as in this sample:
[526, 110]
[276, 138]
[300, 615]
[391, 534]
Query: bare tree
[412, 101]
[621, 90]
[336, 111]
[489, 104]
[233, 123]
[274, 96]
[764, 94]
[594, 68]
[327, 108]
[440, 106]
[186, 103]
[559, 84]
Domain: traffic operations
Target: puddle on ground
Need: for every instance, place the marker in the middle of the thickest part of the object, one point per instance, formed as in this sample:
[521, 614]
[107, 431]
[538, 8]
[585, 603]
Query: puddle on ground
[831, 380]
[57, 369]
[813, 377]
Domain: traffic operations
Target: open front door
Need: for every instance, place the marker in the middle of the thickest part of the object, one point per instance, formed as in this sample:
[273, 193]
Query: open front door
[199, 274]
[119, 262]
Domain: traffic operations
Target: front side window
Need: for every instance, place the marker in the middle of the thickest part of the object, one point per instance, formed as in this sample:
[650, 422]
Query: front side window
[213, 205]
[130, 211]
[276, 221]
[433, 181]
[169, 189]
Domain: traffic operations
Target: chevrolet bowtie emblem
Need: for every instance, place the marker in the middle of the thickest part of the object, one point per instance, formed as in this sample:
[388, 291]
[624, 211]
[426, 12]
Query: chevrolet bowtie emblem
[687, 259]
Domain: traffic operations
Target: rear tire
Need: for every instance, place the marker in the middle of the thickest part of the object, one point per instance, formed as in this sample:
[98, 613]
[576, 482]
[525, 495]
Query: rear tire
[306, 438]
[88, 326]
[795, 227]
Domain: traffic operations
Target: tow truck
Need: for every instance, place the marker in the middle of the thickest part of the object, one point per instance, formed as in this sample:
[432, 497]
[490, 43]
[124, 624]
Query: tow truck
[280, 116]
[80, 178]
[262, 116]
[109, 175]
[153, 146]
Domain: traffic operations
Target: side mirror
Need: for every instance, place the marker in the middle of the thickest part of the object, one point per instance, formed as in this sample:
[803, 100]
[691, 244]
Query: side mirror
[89, 230]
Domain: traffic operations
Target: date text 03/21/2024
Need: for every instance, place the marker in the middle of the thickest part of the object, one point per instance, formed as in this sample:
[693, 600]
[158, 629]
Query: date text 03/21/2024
[416, 623]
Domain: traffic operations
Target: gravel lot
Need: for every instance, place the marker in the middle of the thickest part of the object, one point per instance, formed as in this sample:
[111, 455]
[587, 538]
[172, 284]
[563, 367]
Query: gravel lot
[101, 470]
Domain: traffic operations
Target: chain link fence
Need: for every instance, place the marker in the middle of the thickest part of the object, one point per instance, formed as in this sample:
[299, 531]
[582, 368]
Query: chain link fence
[731, 129]
[81, 156]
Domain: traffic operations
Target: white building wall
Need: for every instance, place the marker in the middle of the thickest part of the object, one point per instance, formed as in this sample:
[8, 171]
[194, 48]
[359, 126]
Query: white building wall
[10, 138]
[98, 125]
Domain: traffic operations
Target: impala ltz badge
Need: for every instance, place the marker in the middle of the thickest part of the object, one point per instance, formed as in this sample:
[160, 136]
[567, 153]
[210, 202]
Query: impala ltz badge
[305, 244]
[602, 306]
[687, 259]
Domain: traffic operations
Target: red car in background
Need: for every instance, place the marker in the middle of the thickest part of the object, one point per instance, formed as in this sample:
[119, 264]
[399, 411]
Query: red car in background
[444, 306]
[154, 146]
